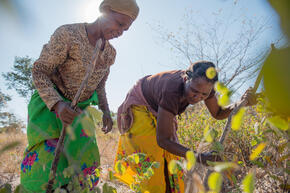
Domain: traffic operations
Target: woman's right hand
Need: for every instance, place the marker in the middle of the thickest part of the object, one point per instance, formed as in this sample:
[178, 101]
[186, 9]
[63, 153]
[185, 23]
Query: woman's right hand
[65, 113]
[208, 156]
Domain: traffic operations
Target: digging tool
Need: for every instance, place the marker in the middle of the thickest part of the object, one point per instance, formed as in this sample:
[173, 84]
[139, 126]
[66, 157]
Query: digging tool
[60, 143]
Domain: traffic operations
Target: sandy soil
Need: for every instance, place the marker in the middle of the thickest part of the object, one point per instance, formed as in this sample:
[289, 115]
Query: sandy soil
[11, 159]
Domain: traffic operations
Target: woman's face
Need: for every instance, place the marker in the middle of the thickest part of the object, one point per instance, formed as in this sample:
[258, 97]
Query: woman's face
[197, 89]
[114, 24]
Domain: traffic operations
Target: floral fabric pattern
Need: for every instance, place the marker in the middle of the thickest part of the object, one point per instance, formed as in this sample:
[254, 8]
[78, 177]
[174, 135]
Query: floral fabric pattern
[83, 133]
[43, 131]
[28, 161]
[91, 172]
[50, 145]
[141, 139]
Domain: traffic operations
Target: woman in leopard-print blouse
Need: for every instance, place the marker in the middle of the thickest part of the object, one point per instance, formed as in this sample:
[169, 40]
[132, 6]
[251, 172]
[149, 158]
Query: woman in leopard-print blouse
[57, 75]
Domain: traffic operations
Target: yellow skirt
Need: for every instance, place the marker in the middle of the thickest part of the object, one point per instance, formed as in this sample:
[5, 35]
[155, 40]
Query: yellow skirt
[141, 138]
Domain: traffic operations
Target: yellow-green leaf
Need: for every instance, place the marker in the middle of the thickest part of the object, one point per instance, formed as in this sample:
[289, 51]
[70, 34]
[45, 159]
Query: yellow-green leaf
[93, 112]
[172, 167]
[68, 172]
[120, 168]
[221, 88]
[109, 189]
[57, 190]
[215, 181]
[208, 134]
[237, 119]
[279, 123]
[249, 183]
[111, 175]
[220, 167]
[71, 133]
[224, 94]
[191, 160]
[256, 152]
[136, 158]
[90, 184]
[156, 164]
[97, 172]
[223, 100]
[132, 186]
[88, 125]
[146, 176]
[210, 73]
[254, 142]
[150, 172]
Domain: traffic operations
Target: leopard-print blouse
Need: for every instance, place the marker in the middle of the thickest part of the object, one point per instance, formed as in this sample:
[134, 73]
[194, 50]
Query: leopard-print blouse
[62, 63]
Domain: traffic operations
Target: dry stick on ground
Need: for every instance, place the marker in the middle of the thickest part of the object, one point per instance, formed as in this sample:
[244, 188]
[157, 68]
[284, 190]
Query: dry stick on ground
[228, 124]
[75, 101]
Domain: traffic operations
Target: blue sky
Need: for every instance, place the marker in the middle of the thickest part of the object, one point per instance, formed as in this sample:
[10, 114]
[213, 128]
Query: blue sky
[139, 51]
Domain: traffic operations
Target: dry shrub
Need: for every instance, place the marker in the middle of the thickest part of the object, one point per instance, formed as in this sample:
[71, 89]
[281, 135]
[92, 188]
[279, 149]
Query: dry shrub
[11, 159]
[107, 144]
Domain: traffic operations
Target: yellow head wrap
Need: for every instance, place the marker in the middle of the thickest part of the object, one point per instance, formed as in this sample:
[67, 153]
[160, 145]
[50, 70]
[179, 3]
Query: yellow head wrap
[126, 7]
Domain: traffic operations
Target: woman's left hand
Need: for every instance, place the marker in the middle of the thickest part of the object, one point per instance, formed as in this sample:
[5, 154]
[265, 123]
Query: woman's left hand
[107, 122]
[250, 97]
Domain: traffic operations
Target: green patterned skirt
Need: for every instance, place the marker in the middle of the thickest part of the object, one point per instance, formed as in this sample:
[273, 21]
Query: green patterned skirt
[43, 131]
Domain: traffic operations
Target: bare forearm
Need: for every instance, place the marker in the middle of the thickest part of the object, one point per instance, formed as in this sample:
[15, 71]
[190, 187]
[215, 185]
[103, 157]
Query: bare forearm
[103, 103]
[104, 107]
[173, 147]
[225, 112]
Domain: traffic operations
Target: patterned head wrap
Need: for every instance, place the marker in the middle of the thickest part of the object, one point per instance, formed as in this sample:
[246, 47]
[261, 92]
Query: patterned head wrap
[126, 7]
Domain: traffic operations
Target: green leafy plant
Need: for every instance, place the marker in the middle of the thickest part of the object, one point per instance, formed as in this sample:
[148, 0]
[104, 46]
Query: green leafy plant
[144, 173]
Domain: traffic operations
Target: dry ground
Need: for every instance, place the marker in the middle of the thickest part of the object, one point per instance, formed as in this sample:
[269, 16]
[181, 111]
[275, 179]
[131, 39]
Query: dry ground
[10, 163]
[10, 160]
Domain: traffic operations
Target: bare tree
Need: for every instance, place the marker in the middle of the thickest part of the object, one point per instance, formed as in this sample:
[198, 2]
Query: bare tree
[8, 121]
[232, 43]
[20, 78]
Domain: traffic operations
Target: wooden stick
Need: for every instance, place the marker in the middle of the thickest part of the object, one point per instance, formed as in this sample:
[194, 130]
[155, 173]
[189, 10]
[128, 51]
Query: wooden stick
[227, 128]
[60, 143]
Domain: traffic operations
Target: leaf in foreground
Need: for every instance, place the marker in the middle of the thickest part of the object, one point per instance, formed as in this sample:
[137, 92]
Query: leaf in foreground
[256, 152]
[215, 181]
[220, 167]
[172, 167]
[249, 183]
[279, 123]
[191, 160]
[238, 118]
